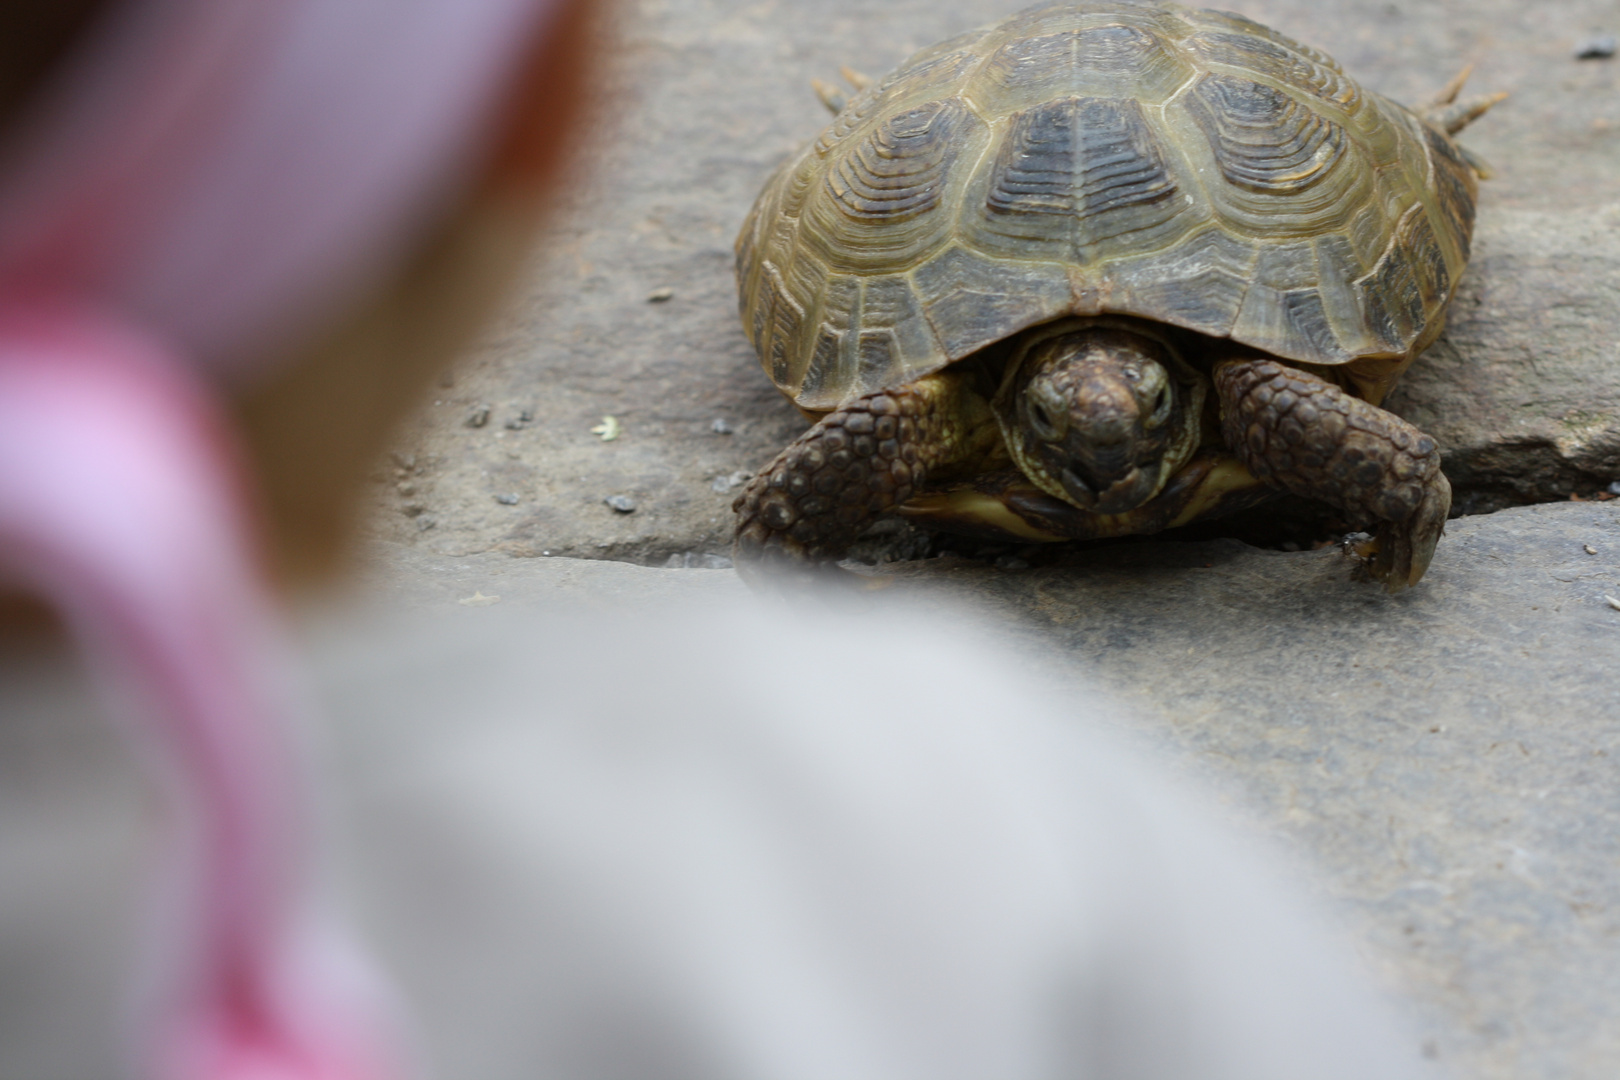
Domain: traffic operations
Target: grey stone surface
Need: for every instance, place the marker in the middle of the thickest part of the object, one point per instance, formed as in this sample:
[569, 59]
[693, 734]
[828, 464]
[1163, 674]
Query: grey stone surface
[1448, 755]
[704, 97]
[1523, 391]
[1449, 758]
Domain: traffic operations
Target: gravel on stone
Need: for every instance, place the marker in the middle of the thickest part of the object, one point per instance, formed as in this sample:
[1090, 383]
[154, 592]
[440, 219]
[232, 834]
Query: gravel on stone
[1598, 47]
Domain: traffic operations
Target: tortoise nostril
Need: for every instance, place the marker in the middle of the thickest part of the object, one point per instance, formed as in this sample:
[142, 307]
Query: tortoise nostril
[1045, 420]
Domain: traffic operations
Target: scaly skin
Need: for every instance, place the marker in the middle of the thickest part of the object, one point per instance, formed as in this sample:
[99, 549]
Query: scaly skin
[852, 467]
[1308, 436]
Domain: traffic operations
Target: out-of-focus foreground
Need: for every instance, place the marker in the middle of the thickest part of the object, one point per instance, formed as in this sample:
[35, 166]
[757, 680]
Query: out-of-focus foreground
[1445, 757]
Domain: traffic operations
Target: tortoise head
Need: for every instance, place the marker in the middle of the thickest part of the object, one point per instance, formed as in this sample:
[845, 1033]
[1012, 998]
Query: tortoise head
[1099, 412]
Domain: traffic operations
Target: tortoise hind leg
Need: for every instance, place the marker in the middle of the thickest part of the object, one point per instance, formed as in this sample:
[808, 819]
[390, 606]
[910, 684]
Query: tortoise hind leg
[833, 96]
[1450, 115]
[1308, 436]
[852, 467]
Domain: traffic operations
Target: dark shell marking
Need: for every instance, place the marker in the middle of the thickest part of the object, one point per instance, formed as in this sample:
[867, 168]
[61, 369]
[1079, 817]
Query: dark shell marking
[1088, 161]
[1264, 140]
[895, 173]
[1189, 167]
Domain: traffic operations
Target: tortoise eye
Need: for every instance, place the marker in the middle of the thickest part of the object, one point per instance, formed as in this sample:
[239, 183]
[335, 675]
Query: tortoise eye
[1161, 407]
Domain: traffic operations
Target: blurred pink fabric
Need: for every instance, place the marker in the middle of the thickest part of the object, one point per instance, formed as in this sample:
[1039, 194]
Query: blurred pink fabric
[222, 172]
[201, 181]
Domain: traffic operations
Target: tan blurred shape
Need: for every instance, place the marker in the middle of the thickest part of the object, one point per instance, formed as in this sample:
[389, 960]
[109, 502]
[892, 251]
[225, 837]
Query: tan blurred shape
[321, 422]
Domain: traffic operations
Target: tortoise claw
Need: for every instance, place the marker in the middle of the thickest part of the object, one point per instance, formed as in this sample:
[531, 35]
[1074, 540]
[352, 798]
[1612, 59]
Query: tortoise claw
[1402, 550]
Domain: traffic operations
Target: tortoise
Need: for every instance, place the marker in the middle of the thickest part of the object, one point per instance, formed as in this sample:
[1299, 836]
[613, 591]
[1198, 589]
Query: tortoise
[1105, 268]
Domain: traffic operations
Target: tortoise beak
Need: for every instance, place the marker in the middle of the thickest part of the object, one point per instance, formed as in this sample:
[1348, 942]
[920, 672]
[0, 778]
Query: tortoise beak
[1122, 495]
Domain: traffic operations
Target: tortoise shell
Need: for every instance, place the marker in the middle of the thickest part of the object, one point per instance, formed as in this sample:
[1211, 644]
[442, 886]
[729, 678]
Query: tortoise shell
[1190, 167]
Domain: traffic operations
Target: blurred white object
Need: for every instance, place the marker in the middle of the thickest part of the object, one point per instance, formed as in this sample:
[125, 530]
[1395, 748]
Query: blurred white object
[195, 187]
[758, 845]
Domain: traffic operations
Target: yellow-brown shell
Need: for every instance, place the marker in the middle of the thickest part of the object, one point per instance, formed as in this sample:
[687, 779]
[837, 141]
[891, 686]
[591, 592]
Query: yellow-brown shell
[1190, 167]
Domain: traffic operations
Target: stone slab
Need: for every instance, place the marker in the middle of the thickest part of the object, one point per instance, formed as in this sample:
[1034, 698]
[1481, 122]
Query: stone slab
[1448, 755]
[1449, 758]
[702, 98]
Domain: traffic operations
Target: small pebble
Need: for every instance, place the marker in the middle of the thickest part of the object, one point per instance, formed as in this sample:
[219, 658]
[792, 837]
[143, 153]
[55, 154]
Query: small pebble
[1596, 47]
[412, 509]
[426, 522]
[407, 462]
[1589, 549]
[524, 419]
[405, 487]
[1612, 602]
[507, 500]
[722, 426]
[723, 484]
[658, 296]
[608, 429]
[1614, 488]
[478, 599]
[624, 504]
[691, 560]
[478, 417]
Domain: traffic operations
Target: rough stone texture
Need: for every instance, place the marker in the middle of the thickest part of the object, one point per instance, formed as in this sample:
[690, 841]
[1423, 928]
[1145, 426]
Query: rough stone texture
[1447, 755]
[1523, 391]
[705, 97]
[1448, 758]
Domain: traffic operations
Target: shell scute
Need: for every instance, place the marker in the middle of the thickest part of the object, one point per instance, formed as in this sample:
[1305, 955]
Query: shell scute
[969, 299]
[1246, 52]
[1199, 284]
[1090, 62]
[892, 304]
[894, 173]
[1416, 238]
[1072, 175]
[1265, 140]
[1189, 167]
[878, 205]
[1454, 186]
[1391, 299]
[1243, 26]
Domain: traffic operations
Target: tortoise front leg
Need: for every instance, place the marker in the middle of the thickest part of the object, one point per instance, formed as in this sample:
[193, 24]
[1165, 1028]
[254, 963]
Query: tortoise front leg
[1308, 436]
[852, 467]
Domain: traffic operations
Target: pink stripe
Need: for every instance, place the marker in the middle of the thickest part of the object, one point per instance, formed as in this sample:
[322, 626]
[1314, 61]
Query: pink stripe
[220, 174]
[118, 504]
